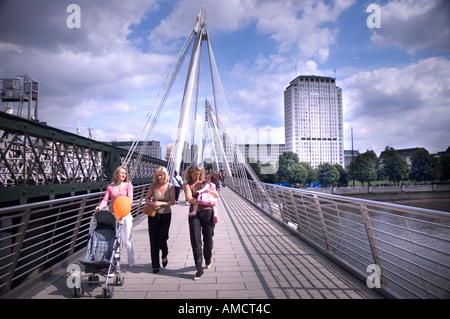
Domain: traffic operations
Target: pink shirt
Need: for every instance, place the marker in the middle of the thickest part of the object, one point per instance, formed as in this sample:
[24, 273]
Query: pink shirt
[127, 190]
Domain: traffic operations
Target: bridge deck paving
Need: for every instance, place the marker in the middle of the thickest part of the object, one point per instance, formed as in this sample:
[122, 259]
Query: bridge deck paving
[253, 257]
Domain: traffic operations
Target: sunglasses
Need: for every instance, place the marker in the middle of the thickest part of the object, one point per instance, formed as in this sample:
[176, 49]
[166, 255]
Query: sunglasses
[194, 166]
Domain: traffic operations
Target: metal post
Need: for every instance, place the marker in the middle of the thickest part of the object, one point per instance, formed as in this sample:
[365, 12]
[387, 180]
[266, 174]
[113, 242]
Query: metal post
[22, 230]
[322, 221]
[77, 226]
[371, 239]
[297, 217]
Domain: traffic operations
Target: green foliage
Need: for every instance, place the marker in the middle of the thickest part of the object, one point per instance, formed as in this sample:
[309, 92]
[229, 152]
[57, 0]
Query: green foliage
[445, 166]
[394, 166]
[424, 167]
[327, 174]
[290, 170]
[343, 176]
[363, 168]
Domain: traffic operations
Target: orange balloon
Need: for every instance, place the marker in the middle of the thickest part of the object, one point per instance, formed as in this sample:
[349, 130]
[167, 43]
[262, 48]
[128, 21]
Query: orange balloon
[122, 206]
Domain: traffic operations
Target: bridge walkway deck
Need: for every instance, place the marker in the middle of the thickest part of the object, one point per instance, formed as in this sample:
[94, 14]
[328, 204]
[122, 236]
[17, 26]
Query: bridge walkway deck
[253, 257]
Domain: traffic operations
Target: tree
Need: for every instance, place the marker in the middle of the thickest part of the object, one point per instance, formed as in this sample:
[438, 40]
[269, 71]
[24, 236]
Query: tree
[343, 175]
[445, 166]
[264, 177]
[394, 166]
[327, 174]
[290, 170]
[311, 177]
[424, 167]
[363, 168]
[372, 156]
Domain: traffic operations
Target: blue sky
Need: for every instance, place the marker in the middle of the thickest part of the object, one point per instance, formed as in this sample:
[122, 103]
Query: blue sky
[106, 74]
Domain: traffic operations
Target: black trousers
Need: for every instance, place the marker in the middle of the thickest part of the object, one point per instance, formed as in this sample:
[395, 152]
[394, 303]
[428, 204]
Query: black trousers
[177, 193]
[158, 232]
[201, 224]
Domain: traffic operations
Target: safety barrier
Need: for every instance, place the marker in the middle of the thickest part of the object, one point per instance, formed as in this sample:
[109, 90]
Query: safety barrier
[403, 251]
[36, 237]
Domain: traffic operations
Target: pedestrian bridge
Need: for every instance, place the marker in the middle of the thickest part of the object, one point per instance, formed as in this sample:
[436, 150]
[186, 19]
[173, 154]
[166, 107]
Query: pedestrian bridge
[285, 244]
[270, 242]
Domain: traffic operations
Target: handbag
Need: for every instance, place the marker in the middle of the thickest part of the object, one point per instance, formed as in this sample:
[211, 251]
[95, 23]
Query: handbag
[148, 210]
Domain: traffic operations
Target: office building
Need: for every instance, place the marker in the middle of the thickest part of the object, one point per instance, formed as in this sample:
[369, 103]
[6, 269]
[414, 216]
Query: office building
[313, 120]
[349, 156]
[149, 148]
[262, 153]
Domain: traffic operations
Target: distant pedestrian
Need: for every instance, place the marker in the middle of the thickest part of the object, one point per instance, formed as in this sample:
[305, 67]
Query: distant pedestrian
[222, 176]
[177, 182]
[160, 195]
[202, 223]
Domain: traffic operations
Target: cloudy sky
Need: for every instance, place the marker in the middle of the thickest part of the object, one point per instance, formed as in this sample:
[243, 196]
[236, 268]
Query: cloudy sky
[106, 74]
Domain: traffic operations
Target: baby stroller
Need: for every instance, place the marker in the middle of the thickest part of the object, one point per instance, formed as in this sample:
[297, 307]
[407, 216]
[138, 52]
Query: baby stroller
[102, 253]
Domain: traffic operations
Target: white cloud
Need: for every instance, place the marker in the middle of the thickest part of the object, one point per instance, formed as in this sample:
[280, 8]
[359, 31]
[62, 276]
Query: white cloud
[293, 25]
[98, 76]
[414, 25]
[400, 107]
[89, 73]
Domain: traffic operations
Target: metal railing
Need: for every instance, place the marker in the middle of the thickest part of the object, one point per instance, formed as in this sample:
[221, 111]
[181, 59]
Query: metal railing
[401, 250]
[36, 237]
[409, 245]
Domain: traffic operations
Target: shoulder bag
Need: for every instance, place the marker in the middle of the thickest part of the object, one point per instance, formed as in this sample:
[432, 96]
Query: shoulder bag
[148, 210]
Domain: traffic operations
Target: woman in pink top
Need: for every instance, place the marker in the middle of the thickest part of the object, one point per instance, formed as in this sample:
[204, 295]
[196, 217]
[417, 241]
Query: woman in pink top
[121, 187]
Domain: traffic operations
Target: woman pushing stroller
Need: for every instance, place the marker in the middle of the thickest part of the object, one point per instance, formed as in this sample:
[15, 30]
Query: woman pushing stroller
[121, 187]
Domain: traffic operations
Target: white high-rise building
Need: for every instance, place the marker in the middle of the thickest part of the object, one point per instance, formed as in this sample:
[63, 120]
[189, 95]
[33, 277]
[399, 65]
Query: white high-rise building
[313, 120]
[263, 153]
[149, 148]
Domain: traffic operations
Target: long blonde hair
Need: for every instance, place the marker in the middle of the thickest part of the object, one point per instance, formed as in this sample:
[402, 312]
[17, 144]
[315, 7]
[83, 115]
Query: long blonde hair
[116, 174]
[188, 173]
[163, 170]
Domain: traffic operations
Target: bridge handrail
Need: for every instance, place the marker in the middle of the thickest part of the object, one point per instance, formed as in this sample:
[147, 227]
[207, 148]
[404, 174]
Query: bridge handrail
[410, 245]
[36, 237]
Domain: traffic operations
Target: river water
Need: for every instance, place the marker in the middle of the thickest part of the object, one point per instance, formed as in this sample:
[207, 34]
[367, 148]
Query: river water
[441, 204]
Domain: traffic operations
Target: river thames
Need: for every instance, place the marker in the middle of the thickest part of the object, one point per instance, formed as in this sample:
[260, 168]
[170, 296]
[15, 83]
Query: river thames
[441, 204]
